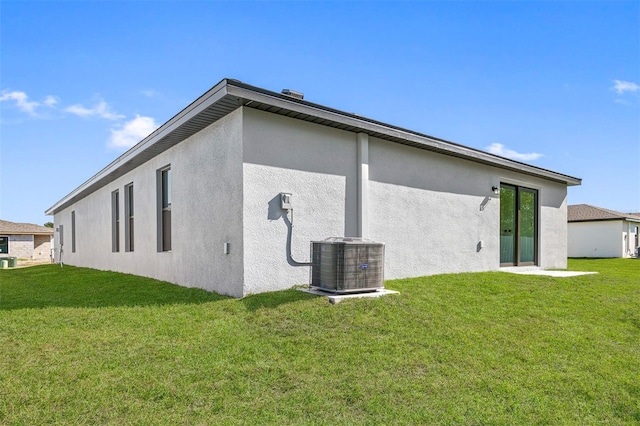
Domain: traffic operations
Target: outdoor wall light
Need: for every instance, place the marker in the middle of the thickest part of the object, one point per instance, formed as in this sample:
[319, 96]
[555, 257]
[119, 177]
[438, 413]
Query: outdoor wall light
[496, 190]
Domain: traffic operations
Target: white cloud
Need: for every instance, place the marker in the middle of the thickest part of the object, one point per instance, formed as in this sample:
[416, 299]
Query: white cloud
[101, 109]
[499, 149]
[50, 101]
[621, 86]
[21, 100]
[132, 132]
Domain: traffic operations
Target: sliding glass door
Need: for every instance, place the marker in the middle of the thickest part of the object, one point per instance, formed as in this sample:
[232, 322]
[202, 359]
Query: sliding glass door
[507, 225]
[518, 225]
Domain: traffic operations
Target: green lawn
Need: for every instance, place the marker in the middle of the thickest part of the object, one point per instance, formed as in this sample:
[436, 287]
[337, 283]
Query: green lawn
[83, 347]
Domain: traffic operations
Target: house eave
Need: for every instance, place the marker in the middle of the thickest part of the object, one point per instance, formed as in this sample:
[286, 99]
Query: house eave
[228, 95]
[284, 105]
[609, 219]
[205, 110]
[4, 233]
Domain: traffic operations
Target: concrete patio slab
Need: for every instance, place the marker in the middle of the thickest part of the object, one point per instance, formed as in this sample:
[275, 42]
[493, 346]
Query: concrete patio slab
[337, 298]
[538, 271]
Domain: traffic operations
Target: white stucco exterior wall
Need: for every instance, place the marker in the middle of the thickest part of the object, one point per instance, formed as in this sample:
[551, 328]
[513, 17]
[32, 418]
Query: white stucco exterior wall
[314, 163]
[433, 211]
[552, 214]
[599, 238]
[206, 213]
[633, 238]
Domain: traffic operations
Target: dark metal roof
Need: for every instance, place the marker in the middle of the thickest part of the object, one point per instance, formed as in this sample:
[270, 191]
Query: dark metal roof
[228, 95]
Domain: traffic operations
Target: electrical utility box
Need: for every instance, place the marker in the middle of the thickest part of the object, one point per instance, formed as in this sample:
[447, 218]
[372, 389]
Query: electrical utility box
[347, 265]
[285, 201]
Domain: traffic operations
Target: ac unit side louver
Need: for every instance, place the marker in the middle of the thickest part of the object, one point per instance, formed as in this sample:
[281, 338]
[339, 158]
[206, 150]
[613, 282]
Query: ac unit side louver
[347, 265]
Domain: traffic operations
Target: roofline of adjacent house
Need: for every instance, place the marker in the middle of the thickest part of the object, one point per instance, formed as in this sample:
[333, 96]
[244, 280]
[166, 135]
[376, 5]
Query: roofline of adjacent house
[608, 219]
[5, 233]
[230, 94]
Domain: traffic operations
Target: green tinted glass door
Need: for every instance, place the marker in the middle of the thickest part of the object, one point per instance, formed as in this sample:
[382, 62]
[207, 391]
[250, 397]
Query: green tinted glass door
[527, 232]
[518, 225]
[507, 225]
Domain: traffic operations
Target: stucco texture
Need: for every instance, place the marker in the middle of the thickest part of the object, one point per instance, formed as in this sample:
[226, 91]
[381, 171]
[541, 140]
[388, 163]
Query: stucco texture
[435, 213]
[206, 213]
[610, 238]
[317, 165]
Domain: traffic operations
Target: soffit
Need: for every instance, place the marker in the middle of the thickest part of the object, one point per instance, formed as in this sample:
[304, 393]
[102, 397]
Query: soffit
[229, 95]
[303, 110]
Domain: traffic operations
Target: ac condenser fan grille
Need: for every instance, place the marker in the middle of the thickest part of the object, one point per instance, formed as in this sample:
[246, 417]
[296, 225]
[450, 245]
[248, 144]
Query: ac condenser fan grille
[347, 265]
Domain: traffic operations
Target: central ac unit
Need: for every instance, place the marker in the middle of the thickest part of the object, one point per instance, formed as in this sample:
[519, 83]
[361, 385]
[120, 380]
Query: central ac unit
[347, 265]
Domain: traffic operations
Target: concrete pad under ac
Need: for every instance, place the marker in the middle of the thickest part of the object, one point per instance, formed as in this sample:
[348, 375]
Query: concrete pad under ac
[337, 298]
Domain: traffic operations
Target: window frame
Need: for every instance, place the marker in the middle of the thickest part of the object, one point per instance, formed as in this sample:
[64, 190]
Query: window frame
[517, 252]
[7, 238]
[115, 221]
[129, 218]
[73, 231]
[163, 195]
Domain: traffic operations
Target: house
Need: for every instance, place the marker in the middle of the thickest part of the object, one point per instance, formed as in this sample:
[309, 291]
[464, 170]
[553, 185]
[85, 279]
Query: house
[25, 240]
[597, 232]
[199, 201]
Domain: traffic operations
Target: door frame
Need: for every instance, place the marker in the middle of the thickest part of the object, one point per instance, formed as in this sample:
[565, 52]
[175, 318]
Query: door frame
[536, 234]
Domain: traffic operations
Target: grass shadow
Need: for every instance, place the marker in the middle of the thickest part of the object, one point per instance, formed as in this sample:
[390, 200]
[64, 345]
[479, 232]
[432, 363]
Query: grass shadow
[47, 286]
[274, 299]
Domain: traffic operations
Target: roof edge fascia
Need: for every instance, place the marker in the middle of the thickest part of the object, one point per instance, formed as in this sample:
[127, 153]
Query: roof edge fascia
[208, 98]
[5, 233]
[608, 219]
[247, 93]
[251, 93]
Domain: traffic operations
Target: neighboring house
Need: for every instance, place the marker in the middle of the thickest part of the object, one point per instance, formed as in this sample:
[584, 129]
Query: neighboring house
[25, 240]
[598, 232]
[198, 202]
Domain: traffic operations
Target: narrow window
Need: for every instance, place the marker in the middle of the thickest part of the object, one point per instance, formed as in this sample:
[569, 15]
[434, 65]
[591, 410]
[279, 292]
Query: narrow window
[73, 231]
[4, 245]
[163, 177]
[115, 221]
[128, 224]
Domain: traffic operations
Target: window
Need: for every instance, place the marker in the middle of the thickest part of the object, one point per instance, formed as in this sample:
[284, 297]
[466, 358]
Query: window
[4, 245]
[163, 178]
[73, 231]
[115, 221]
[128, 224]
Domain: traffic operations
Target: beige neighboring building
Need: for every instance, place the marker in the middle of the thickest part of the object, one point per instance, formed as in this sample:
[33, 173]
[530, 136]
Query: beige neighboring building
[25, 240]
[598, 232]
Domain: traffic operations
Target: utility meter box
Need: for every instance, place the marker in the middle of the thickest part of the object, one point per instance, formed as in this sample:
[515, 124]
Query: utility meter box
[285, 201]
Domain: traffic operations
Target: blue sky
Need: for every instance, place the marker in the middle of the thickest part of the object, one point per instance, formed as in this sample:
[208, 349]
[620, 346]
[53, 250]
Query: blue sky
[553, 84]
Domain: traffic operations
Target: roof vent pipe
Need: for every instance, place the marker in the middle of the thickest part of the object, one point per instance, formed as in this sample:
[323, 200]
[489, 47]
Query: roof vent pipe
[293, 93]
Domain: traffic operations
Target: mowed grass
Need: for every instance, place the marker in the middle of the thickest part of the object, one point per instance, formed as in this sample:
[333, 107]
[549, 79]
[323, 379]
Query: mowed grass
[84, 347]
